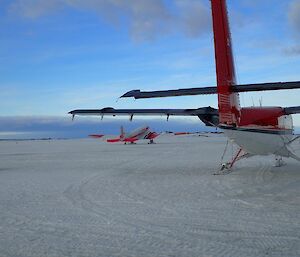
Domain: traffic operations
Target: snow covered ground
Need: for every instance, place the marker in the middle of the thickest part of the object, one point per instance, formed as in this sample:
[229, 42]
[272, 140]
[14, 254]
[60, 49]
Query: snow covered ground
[90, 198]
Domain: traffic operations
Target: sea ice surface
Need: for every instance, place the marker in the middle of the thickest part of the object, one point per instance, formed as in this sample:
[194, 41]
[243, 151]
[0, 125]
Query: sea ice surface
[90, 198]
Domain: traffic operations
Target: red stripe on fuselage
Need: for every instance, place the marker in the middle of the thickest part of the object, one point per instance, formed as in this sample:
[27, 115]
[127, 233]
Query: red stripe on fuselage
[115, 140]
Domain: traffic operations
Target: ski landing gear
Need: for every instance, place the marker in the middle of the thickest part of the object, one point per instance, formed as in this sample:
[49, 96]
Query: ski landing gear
[131, 143]
[226, 167]
[279, 161]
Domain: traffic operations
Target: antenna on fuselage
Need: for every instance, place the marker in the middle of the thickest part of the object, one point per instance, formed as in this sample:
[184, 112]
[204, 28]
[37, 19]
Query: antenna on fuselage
[260, 102]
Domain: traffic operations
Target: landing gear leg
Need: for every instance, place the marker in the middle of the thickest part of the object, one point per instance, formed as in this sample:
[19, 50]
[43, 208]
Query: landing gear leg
[151, 141]
[226, 167]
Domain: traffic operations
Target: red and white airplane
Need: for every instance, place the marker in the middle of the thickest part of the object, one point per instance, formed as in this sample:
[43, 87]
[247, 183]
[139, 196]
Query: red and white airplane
[256, 130]
[137, 134]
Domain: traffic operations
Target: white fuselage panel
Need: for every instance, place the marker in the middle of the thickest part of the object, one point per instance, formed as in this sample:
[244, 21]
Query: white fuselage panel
[259, 143]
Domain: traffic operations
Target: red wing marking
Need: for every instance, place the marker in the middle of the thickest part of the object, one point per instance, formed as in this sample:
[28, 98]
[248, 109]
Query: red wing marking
[114, 140]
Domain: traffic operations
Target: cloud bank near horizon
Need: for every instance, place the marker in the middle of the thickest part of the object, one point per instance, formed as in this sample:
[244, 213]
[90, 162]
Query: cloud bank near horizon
[59, 127]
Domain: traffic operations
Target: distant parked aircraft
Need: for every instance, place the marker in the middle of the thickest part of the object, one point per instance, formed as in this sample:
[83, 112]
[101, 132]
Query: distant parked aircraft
[96, 135]
[183, 133]
[135, 135]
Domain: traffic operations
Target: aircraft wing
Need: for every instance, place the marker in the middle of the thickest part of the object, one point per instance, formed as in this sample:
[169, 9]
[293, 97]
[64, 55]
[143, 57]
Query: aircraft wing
[137, 94]
[208, 115]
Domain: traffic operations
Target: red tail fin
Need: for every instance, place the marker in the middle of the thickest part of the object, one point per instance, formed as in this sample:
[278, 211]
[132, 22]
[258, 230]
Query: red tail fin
[229, 106]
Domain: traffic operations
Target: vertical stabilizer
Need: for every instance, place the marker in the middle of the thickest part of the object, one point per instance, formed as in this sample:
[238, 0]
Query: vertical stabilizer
[228, 102]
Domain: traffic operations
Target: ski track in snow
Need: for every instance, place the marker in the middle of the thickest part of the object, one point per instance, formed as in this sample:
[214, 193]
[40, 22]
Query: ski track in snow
[89, 198]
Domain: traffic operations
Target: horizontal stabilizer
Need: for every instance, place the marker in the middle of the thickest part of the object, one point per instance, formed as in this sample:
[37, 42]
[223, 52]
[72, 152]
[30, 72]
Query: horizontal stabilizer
[292, 110]
[266, 86]
[137, 94]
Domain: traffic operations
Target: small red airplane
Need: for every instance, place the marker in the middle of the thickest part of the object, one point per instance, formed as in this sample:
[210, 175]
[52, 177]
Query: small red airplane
[132, 137]
[137, 134]
[256, 130]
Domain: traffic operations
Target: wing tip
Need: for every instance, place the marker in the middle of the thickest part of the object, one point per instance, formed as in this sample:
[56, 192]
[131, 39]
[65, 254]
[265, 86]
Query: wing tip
[131, 93]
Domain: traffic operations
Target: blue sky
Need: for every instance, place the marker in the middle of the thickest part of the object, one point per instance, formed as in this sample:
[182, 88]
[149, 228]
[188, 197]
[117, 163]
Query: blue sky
[60, 55]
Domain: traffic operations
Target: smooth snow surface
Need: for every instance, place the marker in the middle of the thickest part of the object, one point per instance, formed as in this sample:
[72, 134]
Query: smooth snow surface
[90, 198]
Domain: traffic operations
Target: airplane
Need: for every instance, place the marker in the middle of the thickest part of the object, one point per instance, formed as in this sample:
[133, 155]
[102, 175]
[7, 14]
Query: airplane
[190, 133]
[137, 134]
[256, 130]
[182, 133]
[96, 135]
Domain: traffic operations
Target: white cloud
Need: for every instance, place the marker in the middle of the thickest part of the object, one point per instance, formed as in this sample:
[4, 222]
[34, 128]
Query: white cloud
[292, 50]
[294, 15]
[34, 8]
[294, 20]
[146, 20]
[194, 17]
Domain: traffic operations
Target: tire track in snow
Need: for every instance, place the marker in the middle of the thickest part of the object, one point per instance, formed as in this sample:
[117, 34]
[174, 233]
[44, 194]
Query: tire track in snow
[162, 233]
[176, 229]
[242, 198]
